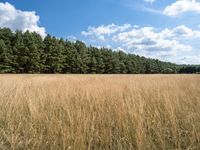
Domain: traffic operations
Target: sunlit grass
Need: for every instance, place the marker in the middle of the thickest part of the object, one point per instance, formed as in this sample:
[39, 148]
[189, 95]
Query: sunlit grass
[100, 112]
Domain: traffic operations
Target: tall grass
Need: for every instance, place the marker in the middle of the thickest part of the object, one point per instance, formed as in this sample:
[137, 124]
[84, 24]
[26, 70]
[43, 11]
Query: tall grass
[143, 112]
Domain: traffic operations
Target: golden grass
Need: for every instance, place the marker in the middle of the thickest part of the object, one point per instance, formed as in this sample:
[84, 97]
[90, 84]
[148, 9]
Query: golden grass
[143, 112]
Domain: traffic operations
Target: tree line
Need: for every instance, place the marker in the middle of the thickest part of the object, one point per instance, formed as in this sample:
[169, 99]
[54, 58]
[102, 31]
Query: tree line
[189, 69]
[28, 52]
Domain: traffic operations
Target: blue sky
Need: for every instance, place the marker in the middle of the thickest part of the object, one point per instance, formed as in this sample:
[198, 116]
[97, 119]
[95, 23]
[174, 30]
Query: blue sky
[165, 29]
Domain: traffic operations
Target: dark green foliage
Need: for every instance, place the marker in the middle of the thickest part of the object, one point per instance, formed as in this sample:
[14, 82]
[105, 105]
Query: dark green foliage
[189, 69]
[29, 53]
[6, 56]
[54, 50]
[82, 57]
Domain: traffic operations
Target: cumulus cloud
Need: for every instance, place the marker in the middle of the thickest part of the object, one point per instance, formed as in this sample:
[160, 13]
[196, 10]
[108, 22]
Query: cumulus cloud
[166, 44]
[182, 6]
[102, 30]
[150, 42]
[19, 20]
[181, 32]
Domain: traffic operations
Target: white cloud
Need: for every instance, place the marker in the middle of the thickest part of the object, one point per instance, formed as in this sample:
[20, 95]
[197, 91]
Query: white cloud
[149, 1]
[19, 20]
[72, 38]
[151, 10]
[191, 59]
[166, 44]
[102, 30]
[120, 49]
[149, 42]
[182, 6]
[181, 32]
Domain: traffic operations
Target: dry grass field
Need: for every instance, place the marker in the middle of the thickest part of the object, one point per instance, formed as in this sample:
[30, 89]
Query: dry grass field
[58, 112]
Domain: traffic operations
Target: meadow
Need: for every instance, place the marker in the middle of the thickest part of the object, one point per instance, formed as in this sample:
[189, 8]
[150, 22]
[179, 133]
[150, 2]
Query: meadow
[142, 112]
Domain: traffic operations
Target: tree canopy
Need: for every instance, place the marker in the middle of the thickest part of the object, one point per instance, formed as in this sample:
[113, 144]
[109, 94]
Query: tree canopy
[29, 53]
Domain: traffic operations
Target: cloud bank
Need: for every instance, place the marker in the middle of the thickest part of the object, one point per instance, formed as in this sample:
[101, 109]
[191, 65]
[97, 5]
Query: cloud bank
[15, 19]
[166, 44]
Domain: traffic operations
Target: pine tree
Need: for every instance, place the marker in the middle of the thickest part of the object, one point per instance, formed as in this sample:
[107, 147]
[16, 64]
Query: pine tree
[93, 65]
[20, 53]
[82, 58]
[54, 55]
[5, 59]
[6, 53]
[34, 46]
